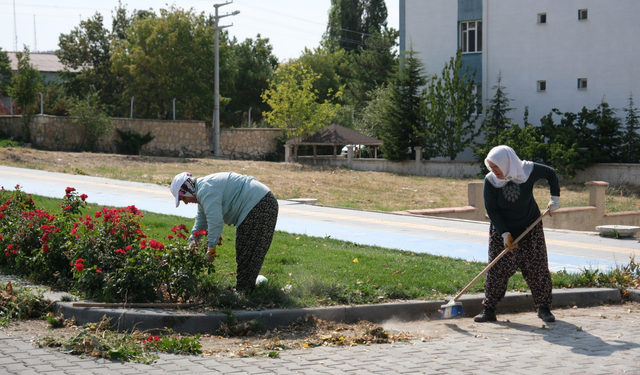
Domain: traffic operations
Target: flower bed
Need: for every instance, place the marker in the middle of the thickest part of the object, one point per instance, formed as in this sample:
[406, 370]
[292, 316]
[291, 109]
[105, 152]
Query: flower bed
[105, 256]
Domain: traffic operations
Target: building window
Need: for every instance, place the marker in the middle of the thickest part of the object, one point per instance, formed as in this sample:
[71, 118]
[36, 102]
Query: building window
[542, 85]
[542, 18]
[582, 83]
[471, 36]
[582, 14]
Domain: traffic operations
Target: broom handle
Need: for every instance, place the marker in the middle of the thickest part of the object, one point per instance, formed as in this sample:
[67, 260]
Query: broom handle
[503, 253]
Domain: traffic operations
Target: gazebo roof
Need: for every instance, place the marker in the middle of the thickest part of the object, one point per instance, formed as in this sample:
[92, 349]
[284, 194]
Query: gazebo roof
[335, 134]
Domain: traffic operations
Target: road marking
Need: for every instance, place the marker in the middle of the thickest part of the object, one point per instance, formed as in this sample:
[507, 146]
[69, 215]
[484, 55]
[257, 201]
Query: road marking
[611, 249]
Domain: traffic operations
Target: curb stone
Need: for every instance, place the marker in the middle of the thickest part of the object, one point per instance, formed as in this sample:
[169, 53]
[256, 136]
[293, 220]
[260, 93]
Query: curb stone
[188, 322]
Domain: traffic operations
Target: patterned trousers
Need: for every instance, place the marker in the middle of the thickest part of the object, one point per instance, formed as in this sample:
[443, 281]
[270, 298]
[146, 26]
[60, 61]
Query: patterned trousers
[253, 238]
[530, 257]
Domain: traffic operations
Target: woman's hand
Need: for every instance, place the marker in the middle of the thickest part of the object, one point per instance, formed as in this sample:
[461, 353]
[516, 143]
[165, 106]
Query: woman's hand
[554, 203]
[211, 254]
[508, 241]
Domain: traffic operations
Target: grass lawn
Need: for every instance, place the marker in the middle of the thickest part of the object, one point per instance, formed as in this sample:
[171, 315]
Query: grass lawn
[308, 271]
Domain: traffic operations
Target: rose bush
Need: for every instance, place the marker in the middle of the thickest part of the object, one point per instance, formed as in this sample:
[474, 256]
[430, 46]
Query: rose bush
[104, 256]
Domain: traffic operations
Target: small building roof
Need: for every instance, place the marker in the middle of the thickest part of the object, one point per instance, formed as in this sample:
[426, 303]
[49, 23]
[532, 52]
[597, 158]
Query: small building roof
[43, 62]
[335, 134]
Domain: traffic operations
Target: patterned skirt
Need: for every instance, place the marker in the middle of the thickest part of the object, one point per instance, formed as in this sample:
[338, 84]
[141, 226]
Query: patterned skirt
[253, 238]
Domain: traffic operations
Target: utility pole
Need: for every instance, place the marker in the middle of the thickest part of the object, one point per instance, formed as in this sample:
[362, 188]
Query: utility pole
[216, 87]
[15, 29]
[35, 40]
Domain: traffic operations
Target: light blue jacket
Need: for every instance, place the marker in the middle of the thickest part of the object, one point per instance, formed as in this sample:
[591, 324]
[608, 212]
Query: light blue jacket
[225, 198]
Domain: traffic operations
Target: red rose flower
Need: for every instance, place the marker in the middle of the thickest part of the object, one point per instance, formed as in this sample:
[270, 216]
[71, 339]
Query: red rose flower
[79, 265]
[45, 248]
[84, 197]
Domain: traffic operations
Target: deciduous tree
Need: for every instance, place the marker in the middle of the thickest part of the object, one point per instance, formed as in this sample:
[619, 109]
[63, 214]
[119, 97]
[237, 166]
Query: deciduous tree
[255, 65]
[172, 56]
[294, 105]
[87, 48]
[89, 115]
[5, 72]
[25, 85]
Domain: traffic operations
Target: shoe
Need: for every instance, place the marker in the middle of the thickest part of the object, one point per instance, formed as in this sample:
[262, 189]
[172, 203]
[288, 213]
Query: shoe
[488, 315]
[545, 314]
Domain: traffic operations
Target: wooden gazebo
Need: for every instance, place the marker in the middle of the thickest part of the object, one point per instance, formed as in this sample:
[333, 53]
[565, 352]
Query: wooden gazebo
[335, 135]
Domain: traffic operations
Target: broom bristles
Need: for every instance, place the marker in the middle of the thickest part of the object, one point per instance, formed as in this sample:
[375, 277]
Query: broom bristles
[451, 310]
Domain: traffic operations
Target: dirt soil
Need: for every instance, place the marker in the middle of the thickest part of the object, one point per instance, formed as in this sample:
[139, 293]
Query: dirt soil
[312, 332]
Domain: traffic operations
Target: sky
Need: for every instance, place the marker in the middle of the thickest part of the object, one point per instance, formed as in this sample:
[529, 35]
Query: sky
[290, 25]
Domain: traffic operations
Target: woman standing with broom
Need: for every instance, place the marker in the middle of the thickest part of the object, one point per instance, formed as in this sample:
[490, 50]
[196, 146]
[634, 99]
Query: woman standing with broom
[509, 201]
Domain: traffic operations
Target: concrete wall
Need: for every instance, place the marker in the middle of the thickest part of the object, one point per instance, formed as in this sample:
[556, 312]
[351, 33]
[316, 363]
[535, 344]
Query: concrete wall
[614, 174]
[572, 218]
[430, 168]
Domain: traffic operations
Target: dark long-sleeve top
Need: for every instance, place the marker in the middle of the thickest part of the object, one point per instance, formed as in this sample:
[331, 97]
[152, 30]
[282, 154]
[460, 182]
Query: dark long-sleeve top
[512, 208]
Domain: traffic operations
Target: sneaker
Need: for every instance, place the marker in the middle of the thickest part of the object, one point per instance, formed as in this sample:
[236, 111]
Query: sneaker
[488, 315]
[545, 314]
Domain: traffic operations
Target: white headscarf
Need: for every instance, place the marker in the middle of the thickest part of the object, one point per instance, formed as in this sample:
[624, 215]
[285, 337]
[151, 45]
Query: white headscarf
[510, 164]
[183, 184]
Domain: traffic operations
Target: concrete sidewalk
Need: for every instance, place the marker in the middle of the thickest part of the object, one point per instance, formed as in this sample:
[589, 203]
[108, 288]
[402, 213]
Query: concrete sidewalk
[406, 311]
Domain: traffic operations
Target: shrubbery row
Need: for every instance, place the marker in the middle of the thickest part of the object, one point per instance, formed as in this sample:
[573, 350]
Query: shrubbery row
[104, 256]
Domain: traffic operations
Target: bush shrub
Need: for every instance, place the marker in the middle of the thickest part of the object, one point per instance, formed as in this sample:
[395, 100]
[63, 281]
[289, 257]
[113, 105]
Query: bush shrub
[104, 256]
[132, 141]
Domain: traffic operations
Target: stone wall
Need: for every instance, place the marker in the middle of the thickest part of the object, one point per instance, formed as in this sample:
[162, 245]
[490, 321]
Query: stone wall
[172, 138]
[10, 125]
[246, 143]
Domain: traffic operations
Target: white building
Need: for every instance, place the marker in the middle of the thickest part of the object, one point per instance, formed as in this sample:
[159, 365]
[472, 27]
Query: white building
[564, 54]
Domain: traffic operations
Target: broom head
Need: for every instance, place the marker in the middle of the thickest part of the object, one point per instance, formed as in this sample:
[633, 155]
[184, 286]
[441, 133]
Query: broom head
[452, 309]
